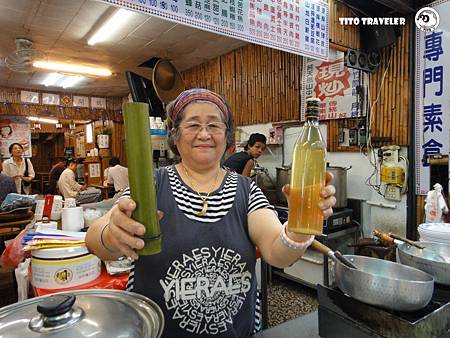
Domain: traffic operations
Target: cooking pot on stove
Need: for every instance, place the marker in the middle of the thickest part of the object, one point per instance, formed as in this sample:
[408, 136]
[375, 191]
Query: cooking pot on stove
[84, 313]
[340, 183]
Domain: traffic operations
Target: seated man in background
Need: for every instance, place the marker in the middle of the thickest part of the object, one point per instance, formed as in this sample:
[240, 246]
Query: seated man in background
[53, 176]
[69, 188]
[117, 175]
[7, 185]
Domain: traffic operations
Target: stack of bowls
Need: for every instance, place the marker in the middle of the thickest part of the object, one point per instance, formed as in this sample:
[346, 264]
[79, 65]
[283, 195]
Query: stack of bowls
[435, 232]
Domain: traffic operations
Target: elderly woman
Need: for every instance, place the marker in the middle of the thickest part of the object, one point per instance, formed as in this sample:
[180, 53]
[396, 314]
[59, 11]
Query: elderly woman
[212, 220]
[19, 168]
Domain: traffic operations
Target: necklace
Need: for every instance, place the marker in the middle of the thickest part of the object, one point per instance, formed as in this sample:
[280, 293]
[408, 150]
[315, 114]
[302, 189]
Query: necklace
[203, 198]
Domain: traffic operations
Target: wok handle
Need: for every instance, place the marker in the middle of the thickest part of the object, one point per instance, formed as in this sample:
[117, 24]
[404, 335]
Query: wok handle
[321, 247]
[406, 241]
[383, 236]
[344, 260]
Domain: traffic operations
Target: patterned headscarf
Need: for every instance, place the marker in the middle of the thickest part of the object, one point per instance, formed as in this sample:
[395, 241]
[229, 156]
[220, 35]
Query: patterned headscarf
[199, 94]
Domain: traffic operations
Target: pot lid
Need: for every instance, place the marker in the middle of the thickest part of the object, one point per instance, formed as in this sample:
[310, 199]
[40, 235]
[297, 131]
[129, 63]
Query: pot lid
[85, 313]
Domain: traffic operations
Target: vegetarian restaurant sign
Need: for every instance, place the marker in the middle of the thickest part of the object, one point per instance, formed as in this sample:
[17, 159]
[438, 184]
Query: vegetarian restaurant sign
[295, 26]
[335, 85]
[432, 96]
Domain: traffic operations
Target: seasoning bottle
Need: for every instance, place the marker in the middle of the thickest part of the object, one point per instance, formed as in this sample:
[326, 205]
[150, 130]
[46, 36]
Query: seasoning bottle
[307, 175]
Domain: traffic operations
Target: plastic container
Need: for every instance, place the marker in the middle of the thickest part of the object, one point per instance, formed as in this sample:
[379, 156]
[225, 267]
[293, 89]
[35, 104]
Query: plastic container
[59, 268]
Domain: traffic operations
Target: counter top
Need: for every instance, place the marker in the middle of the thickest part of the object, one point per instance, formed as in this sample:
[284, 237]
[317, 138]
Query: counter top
[308, 325]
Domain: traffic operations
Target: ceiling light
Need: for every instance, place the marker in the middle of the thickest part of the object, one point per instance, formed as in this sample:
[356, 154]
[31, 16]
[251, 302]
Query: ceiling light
[58, 125]
[70, 68]
[52, 79]
[70, 81]
[112, 25]
[72, 125]
[42, 119]
[36, 126]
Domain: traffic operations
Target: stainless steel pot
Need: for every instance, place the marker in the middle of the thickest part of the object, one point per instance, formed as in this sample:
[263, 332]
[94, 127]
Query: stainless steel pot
[84, 313]
[283, 177]
[340, 183]
[382, 283]
[434, 259]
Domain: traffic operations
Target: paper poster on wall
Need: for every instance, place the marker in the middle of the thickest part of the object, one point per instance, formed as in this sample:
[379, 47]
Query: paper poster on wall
[432, 96]
[295, 26]
[98, 102]
[52, 99]
[81, 101]
[335, 85]
[14, 129]
[29, 97]
[94, 170]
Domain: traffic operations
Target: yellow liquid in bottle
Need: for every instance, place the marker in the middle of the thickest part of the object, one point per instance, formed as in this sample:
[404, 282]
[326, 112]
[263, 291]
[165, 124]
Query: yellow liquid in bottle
[307, 179]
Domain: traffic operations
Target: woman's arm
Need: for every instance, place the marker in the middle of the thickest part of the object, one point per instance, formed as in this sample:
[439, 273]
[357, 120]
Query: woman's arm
[264, 229]
[248, 168]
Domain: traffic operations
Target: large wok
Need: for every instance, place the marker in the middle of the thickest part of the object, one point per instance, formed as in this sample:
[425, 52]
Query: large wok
[382, 283]
[433, 258]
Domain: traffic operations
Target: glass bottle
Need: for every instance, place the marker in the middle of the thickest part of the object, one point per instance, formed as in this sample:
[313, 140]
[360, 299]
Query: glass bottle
[307, 175]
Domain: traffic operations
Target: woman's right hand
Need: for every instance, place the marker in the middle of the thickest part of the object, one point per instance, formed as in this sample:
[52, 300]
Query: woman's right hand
[122, 233]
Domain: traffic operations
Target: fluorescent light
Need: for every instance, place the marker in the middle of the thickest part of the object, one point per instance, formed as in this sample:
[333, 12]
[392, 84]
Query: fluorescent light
[70, 81]
[42, 119]
[52, 79]
[112, 25]
[70, 68]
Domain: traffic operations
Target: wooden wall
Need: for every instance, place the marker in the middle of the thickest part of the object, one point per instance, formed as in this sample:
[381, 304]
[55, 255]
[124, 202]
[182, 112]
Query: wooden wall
[262, 85]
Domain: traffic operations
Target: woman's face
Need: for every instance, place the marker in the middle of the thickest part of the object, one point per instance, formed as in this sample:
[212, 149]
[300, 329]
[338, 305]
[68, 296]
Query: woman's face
[16, 151]
[196, 144]
[257, 149]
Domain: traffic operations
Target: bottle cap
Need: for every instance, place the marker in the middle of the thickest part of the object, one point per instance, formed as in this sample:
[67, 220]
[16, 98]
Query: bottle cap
[312, 107]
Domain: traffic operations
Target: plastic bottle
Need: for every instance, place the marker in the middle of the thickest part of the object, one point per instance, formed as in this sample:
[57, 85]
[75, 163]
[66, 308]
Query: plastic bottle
[308, 175]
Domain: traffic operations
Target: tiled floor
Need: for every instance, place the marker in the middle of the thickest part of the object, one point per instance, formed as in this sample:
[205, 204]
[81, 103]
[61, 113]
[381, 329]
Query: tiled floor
[289, 300]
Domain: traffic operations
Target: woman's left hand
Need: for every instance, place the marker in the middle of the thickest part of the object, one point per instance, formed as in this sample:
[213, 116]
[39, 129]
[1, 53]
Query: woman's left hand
[27, 179]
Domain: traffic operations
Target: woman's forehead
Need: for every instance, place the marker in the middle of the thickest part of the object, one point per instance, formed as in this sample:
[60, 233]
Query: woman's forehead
[197, 110]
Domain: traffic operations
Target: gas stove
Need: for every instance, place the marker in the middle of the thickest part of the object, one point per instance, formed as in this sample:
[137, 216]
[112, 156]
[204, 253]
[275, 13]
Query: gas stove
[343, 316]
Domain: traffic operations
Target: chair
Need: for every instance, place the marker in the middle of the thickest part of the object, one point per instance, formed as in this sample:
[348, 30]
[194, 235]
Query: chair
[9, 230]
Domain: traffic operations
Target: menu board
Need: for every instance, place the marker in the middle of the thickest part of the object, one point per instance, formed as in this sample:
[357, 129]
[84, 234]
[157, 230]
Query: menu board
[335, 85]
[432, 96]
[295, 26]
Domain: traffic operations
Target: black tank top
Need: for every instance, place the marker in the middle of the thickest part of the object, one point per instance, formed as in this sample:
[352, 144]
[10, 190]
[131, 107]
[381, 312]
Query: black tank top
[237, 161]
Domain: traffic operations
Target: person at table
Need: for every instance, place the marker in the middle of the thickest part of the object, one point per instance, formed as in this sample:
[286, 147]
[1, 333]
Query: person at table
[242, 162]
[53, 176]
[20, 169]
[69, 188]
[116, 175]
[204, 278]
[7, 186]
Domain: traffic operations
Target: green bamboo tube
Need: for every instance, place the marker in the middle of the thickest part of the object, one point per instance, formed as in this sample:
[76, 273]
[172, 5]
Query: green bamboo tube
[140, 173]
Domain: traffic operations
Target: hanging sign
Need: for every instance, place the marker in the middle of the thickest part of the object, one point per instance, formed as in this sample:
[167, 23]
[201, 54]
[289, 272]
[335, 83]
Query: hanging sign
[432, 94]
[335, 85]
[295, 26]
[98, 102]
[29, 97]
[52, 99]
[81, 101]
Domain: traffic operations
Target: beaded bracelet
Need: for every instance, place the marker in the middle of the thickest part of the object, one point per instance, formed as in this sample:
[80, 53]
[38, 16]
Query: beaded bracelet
[293, 244]
[103, 242]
